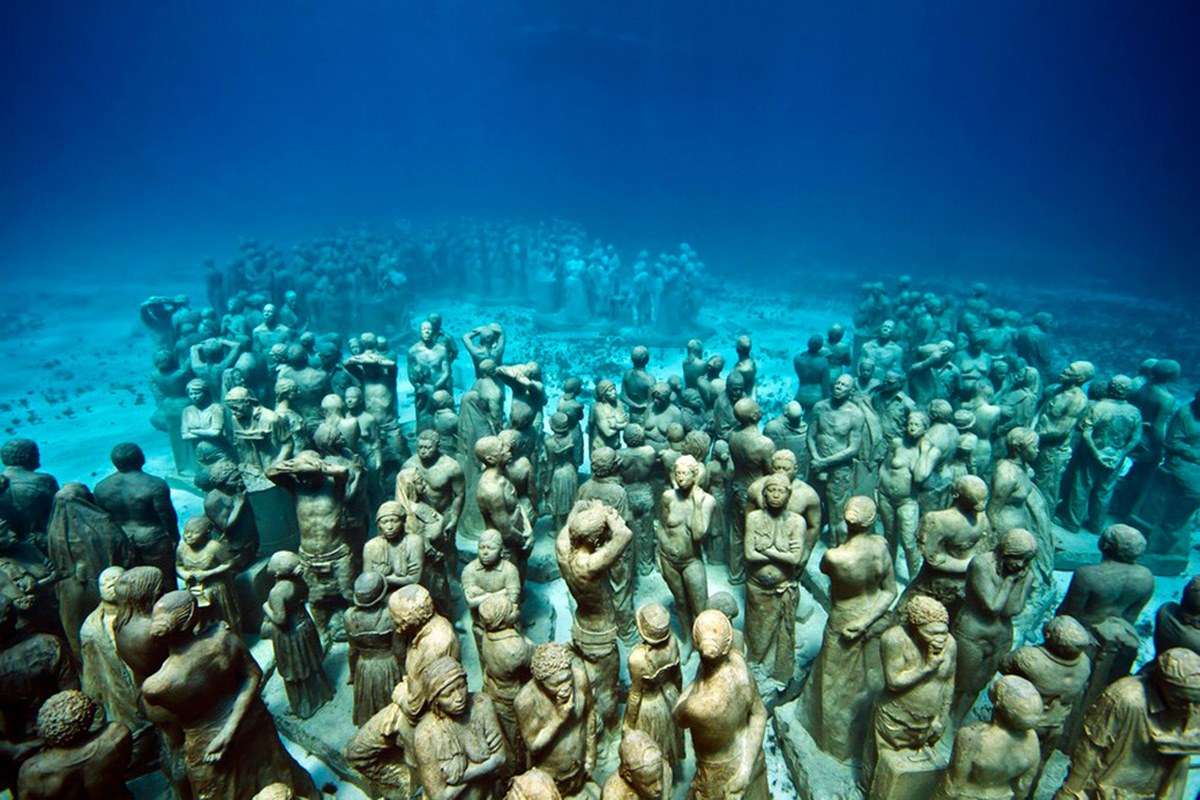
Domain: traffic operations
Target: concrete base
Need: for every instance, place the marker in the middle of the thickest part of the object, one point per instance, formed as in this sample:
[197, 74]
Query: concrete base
[815, 774]
[898, 775]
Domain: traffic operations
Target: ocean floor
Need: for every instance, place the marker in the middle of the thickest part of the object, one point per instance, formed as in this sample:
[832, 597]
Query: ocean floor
[76, 363]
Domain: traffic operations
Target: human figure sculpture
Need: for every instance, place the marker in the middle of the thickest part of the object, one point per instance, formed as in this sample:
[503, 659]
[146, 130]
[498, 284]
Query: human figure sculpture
[777, 550]
[374, 666]
[660, 415]
[428, 361]
[1059, 670]
[694, 363]
[997, 587]
[949, 539]
[725, 715]
[655, 683]
[485, 343]
[489, 575]
[834, 441]
[605, 485]
[803, 499]
[636, 385]
[892, 405]
[1060, 413]
[445, 422]
[1139, 735]
[887, 353]
[270, 331]
[789, 431]
[745, 365]
[1108, 431]
[212, 360]
[557, 720]
[141, 504]
[1178, 624]
[82, 540]
[27, 502]
[588, 548]
[751, 453]
[321, 490]
[723, 418]
[1107, 599]
[292, 427]
[504, 654]
[1017, 502]
[719, 472]
[205, 566]
[644, 773]
[33, 666]
[997, 759]
[637, 462]
[848, 673]
[444, 489]
[912, 712]
[560, 463]
[299, 656]
[499, 504]
[928, 372]
[208, 686]
[533, 784]
[228, 508]
[104, 676]
[837, 351]
[1181, 473]
[398, 552]
[76, 762]
[812, 374]
[710, 385]
[684, 518]
[907, 466]
[608, 417]
[203, 420]
[460, 750]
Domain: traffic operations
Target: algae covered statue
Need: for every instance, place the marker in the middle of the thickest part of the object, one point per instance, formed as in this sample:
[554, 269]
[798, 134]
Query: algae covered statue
[298, 652]
[725, 715]
[848, 672]
[949, 539]
[654, 684]
[76, 760]
[835, 436]
[557, 722]
[374, 668]
[685, 514]
[208, 686]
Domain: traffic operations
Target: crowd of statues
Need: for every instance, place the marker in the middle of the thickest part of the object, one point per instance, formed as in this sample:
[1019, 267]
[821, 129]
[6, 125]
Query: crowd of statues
[911, 488]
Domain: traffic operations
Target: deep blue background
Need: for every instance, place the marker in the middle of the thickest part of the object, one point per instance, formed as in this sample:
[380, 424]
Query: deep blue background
[938, 136]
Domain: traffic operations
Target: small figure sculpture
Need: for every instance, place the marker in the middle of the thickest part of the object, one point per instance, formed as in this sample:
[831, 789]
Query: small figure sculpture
[643, 774]
[560, 463]
[789, 431]
[1139, 735]
[445, 490]
[848, 673]
[745, 365]
[228, 508]
[321, 490]
[82, 540]
[259, 437]
[694, 363]
[398, 552]
[637, 462]
[425, 636]
[76, 762]
[997, 587]
[608, 417]
[636, 385]
[948, 540]
[655, 681]
[588, 548]
[912, 712]
[299, 656]
[557, 721]
[489, 575]
[205, 566]
[777, 550]
[499, 503]
[1181, 469]
[460, 750]
[504, 654]
[685, 514]
[141, 505]
[105, 676]
[201, 421]
[997, 759]
[208, 686]
[812, 374]
[374, 666]
[1059, 670]
[605, 486]
[887, 353]
[906, 467]
[1017, 502]
[835, 435]
[725, 715]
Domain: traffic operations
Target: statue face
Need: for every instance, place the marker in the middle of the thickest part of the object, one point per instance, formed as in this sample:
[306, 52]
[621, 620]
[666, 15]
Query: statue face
[427, 448]
[427, 333]
[685, 478]
[887, 329]
[842, 387]
[776, 496]
[646, 780]
[452, 700]
[195, 535]
[108, 587]
[269, 314]
[934, 634]
[240, 408]
[489, 553]
[561, 686]
[390, 525]
[354, 399]
[915, 427]
[610, 393]
[1011, 565]
[1030, 452]
[197, 395]
[711, 644]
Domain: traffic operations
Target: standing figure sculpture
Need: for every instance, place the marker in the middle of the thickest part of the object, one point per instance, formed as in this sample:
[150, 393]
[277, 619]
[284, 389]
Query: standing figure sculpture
[725, 715]
[1017, 502]
[141, 504]
[655, 681]
[299, 656]
[608, 417]
[206, 566]
[557, 720]
[905, 468]
[834, 441]
[848, 672]
[684, 515]
[751, 452]
[588, 548]
[77, 761]
[504, 654]
[1108, 431]
[104, 676]
[949, 539]
[499, 504]
[1057, 421]
[374, 666]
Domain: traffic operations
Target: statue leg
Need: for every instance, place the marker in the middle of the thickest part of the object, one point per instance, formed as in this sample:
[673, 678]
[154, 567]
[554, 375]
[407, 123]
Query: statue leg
[674, 580]
[1079, 482]
[908, 516]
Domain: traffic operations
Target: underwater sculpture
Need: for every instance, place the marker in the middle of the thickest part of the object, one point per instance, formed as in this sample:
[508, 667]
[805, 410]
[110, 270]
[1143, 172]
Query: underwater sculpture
[834, 441]
[557, 720]
[685, 515]
[75, 760]
[374, 666]
[299, 655]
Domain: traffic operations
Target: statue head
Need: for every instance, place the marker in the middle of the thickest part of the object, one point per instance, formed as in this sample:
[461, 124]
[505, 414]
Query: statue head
[354, 399]
[490, 547]
[916, 424]
[660, 395]
[815, 343]
[492, 451]
[927, 621]
[641, 765]
[560, 423]
[639, 357]
[497, 612]
[1119, 386]
[435, 322]
[587, 524]
[793, 414]
[174, 615]
[428, 446]
[1016, 703]
[443, 400]
[270, 314]
[65, 719]
[892, 382]
[606, 391]
[197, 392]
[1015, 551]
[106, 582]
[712, 634]
[842, 387]
[445, 683]
[410, 608]
[283, 564]
[1077, 373]
[333, 406]
[726, 603]
[1023, 444]
[634, 435]
[1122, 543]
[428, 334]
[742, 346]
[369, 589]
[1177, 676]
[783, 462]
[860, 514]
[532, 785]
[695, 348]
[127, 457]
[886, 329]
[487, 368]
[197, 531]
[715, 366]
[551, 668]
[777, 490]
[390, 519]
[21, 453]
[285, 389]
[865, 368]
[970, 493]
[1066, 637]
[964, 420]
[572, 386]
[605, 462]
[746, 411]
[1165, 370]
[164, 360]
[239, 402]
[685, 472]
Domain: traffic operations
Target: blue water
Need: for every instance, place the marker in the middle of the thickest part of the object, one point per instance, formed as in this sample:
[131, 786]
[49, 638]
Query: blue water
[928, 137]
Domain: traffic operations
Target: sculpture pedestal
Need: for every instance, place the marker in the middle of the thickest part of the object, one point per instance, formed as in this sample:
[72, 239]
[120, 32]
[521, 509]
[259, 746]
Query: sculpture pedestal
[815, 774]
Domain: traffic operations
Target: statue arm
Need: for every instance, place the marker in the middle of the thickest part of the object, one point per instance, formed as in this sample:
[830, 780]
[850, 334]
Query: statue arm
[702, 511]
[898, 674]
[493, 738]
[512, 583]
[620, 537]
[756, 727]
[633, 705]
[414, 564]
[247, 693]
[432, 770]
[458, 491]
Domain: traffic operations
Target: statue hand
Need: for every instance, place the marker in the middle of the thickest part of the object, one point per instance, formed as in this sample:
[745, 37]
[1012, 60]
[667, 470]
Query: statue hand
[217, 747]
[851, 632]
